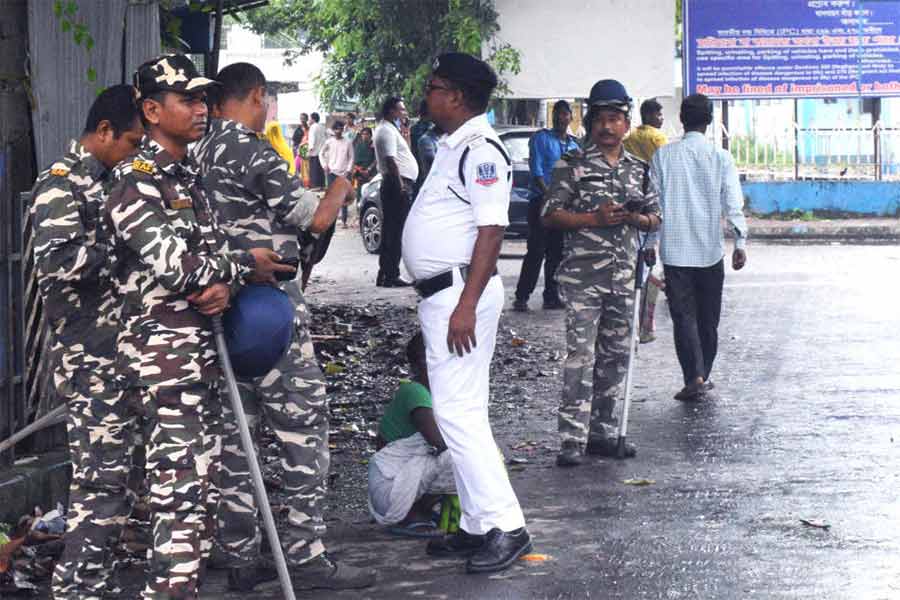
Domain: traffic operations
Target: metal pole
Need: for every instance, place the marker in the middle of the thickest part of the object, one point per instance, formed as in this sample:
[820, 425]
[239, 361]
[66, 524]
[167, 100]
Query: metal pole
[259, 488]
[876, 136]
[57, 415]
[212, 67]
[796, 140]
[632, 349]
[725, 135]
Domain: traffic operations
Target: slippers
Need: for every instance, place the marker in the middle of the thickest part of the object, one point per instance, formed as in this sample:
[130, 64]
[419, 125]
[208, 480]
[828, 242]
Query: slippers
[417, 529]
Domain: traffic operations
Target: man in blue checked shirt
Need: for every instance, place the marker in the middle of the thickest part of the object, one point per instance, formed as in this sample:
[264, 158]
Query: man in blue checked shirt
[698, 185]
[544, 245]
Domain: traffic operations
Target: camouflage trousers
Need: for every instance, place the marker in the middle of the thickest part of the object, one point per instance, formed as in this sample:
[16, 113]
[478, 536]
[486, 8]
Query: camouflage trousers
[291, 398]
[183, 426]
[598, 328]
[101, 425]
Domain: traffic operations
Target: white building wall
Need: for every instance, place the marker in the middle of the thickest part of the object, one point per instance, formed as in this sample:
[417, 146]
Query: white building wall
[245, 46]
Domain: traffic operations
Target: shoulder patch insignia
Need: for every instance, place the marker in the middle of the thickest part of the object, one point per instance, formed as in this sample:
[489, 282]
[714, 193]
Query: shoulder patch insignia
[143, 166]
[486, 174]
[179, 203]
[59, 171]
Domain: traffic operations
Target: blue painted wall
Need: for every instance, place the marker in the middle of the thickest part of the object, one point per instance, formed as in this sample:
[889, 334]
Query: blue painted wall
[864, 197]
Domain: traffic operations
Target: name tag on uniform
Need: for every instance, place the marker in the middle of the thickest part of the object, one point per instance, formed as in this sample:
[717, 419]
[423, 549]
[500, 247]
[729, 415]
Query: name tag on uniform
[179, 203]
[143, 166]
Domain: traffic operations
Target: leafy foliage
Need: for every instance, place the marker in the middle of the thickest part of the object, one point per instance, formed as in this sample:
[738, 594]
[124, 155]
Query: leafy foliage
[377, 48]
[66, 13]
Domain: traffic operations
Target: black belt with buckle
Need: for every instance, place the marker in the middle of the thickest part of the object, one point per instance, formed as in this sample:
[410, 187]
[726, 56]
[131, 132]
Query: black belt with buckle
[433, 285]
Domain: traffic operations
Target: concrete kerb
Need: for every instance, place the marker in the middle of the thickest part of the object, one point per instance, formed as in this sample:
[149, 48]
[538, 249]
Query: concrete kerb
[840, 230]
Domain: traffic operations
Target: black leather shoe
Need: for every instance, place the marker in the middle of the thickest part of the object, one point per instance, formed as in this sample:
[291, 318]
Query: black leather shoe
[319, 573]
[244, 579]
[324, 573]
[571, 454]
[396, 282]
[555, 304]
[501, 549]
[520, 305]
[609, 446]
[461, 543]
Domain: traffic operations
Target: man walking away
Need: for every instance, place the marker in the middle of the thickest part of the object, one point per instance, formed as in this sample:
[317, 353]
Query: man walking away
[399, 171]
[544, 245]
[600, 198]
[337, 160]
[261, 207]
[698, 185]
[71, 255]
[451, 243]
[318, 133]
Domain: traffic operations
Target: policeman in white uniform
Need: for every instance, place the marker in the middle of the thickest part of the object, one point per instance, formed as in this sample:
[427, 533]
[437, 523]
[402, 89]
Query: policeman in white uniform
[451, 243]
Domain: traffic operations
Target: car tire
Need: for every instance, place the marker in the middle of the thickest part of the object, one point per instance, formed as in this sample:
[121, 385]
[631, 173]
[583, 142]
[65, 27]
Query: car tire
[370, 223]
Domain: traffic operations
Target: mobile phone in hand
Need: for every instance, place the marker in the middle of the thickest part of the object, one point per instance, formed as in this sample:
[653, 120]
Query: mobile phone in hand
[634, 205]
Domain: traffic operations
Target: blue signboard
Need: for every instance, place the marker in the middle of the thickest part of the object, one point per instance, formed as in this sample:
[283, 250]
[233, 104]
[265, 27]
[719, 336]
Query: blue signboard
[792, 48]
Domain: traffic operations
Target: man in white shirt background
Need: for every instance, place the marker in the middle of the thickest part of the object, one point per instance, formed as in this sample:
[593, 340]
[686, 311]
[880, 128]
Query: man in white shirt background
[337, 159]
[399, 171]
[318, 134]
[698, 185]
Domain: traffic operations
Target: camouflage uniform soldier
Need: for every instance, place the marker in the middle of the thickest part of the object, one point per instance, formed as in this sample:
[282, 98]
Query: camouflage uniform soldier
[260, 205]
[173, 269]
[600, 197]
[74, 281]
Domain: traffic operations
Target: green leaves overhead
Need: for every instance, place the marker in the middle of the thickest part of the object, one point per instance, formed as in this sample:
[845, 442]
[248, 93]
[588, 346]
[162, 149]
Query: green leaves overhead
[376, 48]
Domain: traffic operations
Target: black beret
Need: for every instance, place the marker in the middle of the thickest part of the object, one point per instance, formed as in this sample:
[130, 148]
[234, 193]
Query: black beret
[464, 68]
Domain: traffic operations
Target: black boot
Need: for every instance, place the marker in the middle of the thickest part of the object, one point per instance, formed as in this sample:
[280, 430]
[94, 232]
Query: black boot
[571, 454]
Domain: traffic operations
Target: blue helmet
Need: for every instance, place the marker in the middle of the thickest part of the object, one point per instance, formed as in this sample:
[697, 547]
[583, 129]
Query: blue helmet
[259, 327]
[609, 93]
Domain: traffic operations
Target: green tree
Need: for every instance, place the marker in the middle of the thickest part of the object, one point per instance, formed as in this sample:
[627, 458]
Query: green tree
[376, 48]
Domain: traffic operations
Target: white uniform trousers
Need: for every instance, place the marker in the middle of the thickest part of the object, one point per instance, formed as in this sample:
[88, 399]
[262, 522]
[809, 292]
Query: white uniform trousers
[459, 392]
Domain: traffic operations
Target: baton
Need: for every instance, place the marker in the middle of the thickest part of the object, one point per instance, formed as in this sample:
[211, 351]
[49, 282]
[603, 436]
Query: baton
[632, 340]
[259, 488]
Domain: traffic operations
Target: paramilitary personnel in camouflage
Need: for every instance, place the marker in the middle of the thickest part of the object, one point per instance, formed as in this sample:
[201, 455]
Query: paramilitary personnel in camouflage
[600, 197]
[173, 269]
[260, 205]
[70, 255]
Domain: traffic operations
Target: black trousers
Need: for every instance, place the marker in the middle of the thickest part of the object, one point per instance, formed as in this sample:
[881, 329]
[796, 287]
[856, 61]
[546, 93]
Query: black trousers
[395, 205]
[694, 295]
[316, 172]
[544, 246]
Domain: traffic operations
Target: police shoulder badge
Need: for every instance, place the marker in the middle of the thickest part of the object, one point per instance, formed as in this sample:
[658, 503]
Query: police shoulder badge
[179, 203]
[143, 166]
[486, 174]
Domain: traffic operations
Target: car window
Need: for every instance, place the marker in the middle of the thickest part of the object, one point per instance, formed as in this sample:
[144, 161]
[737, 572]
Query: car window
[517, 145]
[521, 178]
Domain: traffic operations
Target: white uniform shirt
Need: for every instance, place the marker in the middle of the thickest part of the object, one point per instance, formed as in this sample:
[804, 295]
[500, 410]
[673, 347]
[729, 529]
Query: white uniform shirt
[318, 134]
[390, 143]
[443, 223]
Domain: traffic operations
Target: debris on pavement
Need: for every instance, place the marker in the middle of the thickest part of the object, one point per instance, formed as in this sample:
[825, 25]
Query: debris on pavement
[816, 523]
[535, 557]
[639, 482]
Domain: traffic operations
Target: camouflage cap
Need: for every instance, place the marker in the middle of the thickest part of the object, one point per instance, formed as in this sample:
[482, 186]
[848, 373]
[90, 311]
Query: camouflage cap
[170, 73]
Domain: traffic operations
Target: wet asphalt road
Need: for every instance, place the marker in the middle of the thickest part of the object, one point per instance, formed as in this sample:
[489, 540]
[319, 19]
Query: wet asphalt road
[806, 425]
